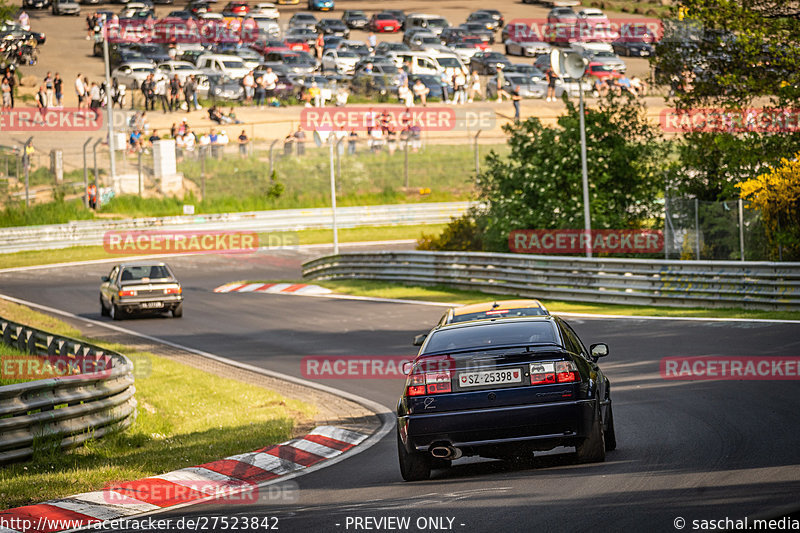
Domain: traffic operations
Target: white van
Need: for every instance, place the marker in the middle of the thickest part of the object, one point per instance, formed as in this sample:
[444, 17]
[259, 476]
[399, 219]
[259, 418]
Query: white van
[232, 66]
[433, 23]
[428, 63]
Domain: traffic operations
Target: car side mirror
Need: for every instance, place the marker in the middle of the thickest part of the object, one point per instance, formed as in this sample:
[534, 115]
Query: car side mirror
[419, 339]
[599, 350]
[104, 278]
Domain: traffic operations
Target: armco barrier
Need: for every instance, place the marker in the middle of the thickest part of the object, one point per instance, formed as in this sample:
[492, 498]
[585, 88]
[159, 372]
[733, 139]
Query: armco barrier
[755, 285]
[90, 233]
[72, 408]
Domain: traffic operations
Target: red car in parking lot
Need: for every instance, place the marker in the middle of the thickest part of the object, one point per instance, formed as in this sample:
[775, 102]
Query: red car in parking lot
[384, 23]
[236, 7]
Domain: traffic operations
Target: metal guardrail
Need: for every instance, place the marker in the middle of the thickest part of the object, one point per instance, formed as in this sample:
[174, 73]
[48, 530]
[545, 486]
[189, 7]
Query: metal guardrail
[718, 284]
[71, 408]
[90, 233]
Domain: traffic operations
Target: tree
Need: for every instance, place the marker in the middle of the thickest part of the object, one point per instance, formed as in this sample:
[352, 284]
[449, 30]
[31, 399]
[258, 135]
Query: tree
[538, 186]
[7, 10]
[776, 195]
[731, 55]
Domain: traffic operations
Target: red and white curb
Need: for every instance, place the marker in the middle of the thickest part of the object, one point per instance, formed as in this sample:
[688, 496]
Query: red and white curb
[273, 288]
[239, 474]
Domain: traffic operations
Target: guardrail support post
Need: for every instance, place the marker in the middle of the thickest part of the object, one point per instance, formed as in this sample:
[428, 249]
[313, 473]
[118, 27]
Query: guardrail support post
[27, 160]
[139, 165]
[697, 228]
[477, 156]
[405, 164]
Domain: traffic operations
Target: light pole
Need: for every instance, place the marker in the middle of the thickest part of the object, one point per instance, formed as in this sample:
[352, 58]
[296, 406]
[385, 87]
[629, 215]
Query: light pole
[331, 142]
[587, 216]
[109, 108]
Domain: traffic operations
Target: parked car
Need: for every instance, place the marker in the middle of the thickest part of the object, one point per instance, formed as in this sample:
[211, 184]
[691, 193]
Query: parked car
[36, 4]
[288, 2]
[562, 14]
[478, 30]
[266, 9]
[487, 62]
[320, 5]
[333, 27]
[303, 20]
[306, 34]
[526, 48]
[220, 87]
[399, 15]
[183, 69]
[425, 41]
[359, 47]
[66, 7]
[467, 47]
[592, 16]
[529, 86]
[340, 61]
[355, 19]
[434, 84]
[387, 48]
[267, 26]
[269, 45]
[289, 62]
[433, 23]
[384, 23]
[631, 48]
[140, 288]
[296, 43]
[503, 388]
[238, 8]
[230, 65]
[496, 15]
[132, 74]
[486, 19]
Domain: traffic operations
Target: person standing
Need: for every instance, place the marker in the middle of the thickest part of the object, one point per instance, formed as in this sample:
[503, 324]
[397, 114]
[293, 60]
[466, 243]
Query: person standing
[94, 99]
[319, 46]
[372, 41]
[516, 97]
[352, 142]
[270, 80]
[249, 84]
[41, 98]
[551, 84]
[474, 85]
[243, 142]
[501, 84]
[260, 91]
[300, 140]
[58, 87]
[174, 93]
[161, 93]
[188, 92]
[48, 84]
[12, 81]
[148, 93]
[5, 88]
[402, 77]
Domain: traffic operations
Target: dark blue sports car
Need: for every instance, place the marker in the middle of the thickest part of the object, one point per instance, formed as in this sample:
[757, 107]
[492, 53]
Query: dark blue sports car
[502, 388]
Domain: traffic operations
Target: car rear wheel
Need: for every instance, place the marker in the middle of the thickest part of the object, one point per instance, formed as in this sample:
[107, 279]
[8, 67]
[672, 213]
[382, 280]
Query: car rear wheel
[178, 311]
[103, 308]
[116, 313]
[610, 434]
[593, 447]
[414, 466]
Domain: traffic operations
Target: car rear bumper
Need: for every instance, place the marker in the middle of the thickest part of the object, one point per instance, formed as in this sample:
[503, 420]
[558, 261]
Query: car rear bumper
[150, 305]
[559, 423]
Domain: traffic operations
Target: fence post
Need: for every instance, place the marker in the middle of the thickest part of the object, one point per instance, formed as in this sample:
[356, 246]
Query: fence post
[339, 164]
[86, 175]
[271, 166]
[697, 228]
[27, 161]
[666, 223]
[94, 153]
[477, 156]
[139, 164]
[405, 163]
[741, 228]
[203, 173]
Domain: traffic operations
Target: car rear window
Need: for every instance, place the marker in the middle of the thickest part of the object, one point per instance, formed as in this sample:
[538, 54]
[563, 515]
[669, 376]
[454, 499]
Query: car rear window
[146, 271]
[491, 334]
[500, 313]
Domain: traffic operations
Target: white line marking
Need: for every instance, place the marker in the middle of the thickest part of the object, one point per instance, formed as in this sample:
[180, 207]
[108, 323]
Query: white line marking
[340, 434]
[315, 448]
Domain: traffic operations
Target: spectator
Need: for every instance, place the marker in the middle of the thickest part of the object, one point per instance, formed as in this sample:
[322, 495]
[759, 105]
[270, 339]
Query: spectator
[24, 21]
[402, 77]
[501, 84]
[316, 94]
[223, 141]
[214, 115]
[368, 68]
[48, 84]
[153, 138]
[270, 84]
[160, 91]
[244, 141]
[376, 140]
[551, 84]
[600, 87]
[230, 118]
[260, 92]
[12, 81]
[342, 95]
[405, 95]
[117, 94]
[213, 138]
[515, 98]
[625, 85]
[460, 87]
[135, 141]
[352, 142]
[421, 92]
[445, 88]
[372, 41]
[58, 87]
[174, 92]
[474, 86]
[189, 141]
[5, 87]
[188, 92]
[94, 99]
[41, 98]
[639, 85]
[288, 143]
[300, 139]
[149, 93]
[91, 194]
[319, 46]
[249, 84]
[416, 137]
[173, 131]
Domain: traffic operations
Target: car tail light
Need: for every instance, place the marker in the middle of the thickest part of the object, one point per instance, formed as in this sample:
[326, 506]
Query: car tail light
[429, 383]
[127, 293]
[173, 290]
[551, 372]
[567, 372]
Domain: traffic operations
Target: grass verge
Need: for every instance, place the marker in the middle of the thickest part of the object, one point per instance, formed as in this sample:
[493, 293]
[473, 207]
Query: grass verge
[185, 417]
[313, 236]
[438, 293]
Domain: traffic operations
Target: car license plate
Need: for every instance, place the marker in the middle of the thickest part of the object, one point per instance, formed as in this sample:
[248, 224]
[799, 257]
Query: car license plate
[490, 377]
[389, 28]
[152, 305]
[644, 53]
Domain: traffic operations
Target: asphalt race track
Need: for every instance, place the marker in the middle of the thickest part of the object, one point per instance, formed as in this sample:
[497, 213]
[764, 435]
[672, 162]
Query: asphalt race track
[690, 449]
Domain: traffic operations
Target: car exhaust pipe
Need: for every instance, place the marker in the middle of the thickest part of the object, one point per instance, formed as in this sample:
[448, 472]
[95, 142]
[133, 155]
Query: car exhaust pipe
[445, 452]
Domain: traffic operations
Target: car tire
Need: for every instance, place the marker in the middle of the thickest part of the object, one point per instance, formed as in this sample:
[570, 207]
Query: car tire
[116, 313]
[610, 433]
[508, 52]
[103, 308]
[178, 311]
[593, 448]
[414, 466]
